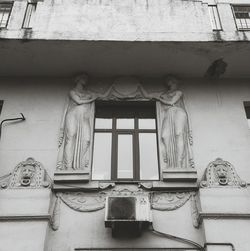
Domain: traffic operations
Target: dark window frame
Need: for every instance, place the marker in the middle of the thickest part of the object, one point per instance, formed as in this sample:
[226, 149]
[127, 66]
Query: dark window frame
[1, 106]
[134, 132]
[28, 15]
[9, 13]
[233, 6]
[218, 26]
[246, 105]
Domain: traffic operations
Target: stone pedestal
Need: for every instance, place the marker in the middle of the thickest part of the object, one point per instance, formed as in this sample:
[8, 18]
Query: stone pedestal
[70, 179]
[218, 247]
[224, 214]
[180, 178]
[24, 218]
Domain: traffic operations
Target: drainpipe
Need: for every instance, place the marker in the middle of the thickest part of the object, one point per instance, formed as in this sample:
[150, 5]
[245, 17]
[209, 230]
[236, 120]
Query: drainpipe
[220, 244]
[22, 118]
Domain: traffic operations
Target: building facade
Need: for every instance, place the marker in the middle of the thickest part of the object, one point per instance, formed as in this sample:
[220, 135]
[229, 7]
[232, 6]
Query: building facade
[124, 125]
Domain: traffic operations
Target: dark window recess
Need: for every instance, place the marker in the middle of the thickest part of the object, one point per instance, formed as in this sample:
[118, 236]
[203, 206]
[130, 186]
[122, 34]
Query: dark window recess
[29, 15]
[1, 106]
[242, 17]
[125, 142]
[5, 10]
[214, 17]
[247, 111]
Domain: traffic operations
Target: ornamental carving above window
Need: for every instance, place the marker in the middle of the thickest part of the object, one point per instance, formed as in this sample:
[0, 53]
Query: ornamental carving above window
[126, 131]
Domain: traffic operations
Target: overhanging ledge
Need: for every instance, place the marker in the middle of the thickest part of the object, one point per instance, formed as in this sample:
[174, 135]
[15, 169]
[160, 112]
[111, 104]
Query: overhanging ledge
[65, 58]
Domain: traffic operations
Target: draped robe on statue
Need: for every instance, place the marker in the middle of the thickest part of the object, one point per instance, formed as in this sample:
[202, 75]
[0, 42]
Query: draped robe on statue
[175, 132]
[74, 150]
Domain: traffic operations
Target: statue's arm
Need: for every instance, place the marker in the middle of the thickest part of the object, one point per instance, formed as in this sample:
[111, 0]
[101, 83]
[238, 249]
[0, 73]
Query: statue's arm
[176, 97]
[172, 100]
[145, 93]
[79, 100]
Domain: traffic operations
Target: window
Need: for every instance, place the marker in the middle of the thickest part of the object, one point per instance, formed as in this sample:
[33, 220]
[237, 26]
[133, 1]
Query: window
[5, 10]
[214, 17]
[242, 18]
[29, 15]
[247, 111]
[125, 142]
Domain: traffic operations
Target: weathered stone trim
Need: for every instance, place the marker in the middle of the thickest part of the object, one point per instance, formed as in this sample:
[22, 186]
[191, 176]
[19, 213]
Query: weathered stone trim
[26, 217]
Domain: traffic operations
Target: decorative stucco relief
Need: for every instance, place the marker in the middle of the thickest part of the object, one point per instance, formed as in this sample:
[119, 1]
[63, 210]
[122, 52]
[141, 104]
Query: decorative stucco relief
[195, 210]
[90, 201]
[55, 215]
[220, 173]
[93, 201]
[76, 133]
[27, 174]
[175, 133]
[76, 128]
[83, 202]
[169, 201]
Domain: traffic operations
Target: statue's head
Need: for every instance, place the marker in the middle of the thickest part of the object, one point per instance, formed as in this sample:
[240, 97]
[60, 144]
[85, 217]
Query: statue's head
[81, 80]
[171, 83]
[27, 173]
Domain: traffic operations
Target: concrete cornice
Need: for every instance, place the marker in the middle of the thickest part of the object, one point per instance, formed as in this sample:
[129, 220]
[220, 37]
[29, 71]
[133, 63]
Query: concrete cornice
[26, 217]
[203, 215]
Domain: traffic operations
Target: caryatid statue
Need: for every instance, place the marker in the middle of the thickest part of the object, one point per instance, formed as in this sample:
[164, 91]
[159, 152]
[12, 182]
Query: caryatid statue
[175, 129]
[75, 131]
[77, 126]
[175, 133]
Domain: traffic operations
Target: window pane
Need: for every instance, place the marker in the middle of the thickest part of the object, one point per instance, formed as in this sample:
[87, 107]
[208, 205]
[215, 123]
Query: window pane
[148, 156]
[103, 123]
[102, 156]
[125, 157]
[146, 123]
[125, 123]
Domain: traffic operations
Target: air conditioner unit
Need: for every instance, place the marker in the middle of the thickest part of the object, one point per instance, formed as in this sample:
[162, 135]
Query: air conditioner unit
[127, 214]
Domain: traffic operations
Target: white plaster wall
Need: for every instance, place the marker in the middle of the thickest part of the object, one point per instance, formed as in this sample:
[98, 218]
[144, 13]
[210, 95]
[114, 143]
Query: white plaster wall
[130, 20]
[219, 123]
[42, 103]
[219, 130]
[228, 231]
[226, 200]
[25, 202]
[216, 111]
[22, 236]
[87, 230]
